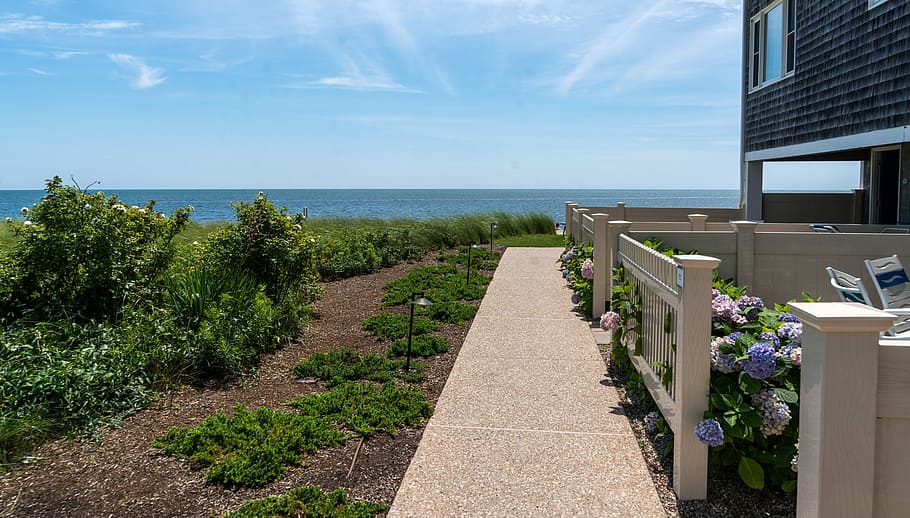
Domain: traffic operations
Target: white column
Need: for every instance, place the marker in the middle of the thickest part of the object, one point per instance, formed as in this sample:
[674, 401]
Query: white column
[698, 222]
[603, 270]
[837, 420]
[745, 252]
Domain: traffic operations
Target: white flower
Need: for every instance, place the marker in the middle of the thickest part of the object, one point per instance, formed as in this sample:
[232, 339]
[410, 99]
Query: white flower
[9, 220]
[142, 211]
[298, 227]
[26, 223]
[24, 210]
[87, 206]
[195, 243]
[312, 240]
[135, 207]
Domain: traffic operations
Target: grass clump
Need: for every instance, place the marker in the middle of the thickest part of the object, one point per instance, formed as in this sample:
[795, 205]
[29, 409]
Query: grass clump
[249, 448]
[391, 327]
[340, 365]
[366, 408]
[308, 501]
[453, 312]
[422, 345]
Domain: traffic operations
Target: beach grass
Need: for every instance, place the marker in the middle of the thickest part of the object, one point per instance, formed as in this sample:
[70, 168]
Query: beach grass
[528, 240]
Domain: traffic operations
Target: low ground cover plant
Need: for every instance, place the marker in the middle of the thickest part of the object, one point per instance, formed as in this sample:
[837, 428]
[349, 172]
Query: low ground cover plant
[254, 448]
[340, 365]
[307, 501]
[751, 422]
[392, 327]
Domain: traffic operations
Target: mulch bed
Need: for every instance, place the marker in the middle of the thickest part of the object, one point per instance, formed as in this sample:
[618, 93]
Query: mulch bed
[122, 475]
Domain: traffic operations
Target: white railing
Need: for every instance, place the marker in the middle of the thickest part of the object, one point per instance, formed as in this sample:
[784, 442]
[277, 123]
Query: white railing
[673, 352]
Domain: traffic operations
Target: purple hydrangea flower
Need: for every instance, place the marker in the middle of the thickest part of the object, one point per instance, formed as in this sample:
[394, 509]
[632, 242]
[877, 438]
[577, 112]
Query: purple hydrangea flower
[775, 414]
[787, 317]
[709, 432]
[569, 255]
[565, 273]
[609, 321]
[792, 331]
[722, 308]
[576, 298]
[762, 361]
[734, 336]
[714, 293]
[794, 462]
[587, 269]
[770, 338]
[651, 422]
[749, 306]
[720, 362]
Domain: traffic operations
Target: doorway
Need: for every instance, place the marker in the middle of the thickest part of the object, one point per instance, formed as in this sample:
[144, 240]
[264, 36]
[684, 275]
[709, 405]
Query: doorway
[887, 186]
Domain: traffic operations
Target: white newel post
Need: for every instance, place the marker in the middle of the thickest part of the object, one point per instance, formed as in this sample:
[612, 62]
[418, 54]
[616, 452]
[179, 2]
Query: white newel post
[693, 374]
[745, 252]
[620, 210]
[569, 211]
[837, 421]
[698, 222]
[603, 273]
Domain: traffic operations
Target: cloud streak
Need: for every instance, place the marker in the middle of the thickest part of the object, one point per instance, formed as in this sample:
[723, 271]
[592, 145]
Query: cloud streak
[18, 24]
[143, 76]
[40, 72]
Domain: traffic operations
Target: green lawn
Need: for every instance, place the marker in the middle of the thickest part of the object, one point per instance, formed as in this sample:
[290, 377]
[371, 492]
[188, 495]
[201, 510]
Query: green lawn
[532, 240]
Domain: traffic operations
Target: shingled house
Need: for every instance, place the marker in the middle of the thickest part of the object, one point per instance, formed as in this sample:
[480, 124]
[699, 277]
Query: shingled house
[828, 80]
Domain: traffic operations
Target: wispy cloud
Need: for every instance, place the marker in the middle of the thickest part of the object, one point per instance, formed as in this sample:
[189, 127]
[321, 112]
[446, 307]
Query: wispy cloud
[143, 76]
[55, 54]
[18, 24]
[357, 83]
[40, 72]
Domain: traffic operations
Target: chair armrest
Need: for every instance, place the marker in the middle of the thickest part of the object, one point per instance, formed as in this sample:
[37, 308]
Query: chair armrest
[898, 312]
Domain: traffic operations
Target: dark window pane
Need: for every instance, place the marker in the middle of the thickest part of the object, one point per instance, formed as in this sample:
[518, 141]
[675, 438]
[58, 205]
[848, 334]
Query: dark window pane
[791, 51]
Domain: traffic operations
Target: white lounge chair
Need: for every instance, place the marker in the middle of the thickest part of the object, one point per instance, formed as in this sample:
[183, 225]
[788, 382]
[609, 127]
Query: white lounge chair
[893, 288]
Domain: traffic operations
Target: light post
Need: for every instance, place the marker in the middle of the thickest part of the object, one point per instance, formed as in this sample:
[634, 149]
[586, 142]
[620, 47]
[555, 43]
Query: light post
[469, 263]
[420, 301]
[492, 226]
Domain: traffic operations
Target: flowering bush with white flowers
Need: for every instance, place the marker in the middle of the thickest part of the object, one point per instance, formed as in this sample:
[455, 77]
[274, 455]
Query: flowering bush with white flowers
[577, 265]
[755, 354]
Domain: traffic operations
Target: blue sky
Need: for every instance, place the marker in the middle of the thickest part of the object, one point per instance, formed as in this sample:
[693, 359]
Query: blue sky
[376, 93]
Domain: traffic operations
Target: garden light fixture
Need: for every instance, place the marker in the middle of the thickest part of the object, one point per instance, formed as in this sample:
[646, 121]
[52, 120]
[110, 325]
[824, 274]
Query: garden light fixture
[492, 226]
[418, 301]
[468, 281]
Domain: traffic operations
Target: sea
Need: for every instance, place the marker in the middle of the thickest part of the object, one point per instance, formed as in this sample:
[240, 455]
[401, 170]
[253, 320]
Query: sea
[212, 205]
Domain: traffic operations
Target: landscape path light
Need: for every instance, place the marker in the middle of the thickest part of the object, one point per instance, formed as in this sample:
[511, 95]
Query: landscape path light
[415, 301]
[472, 247]
[492, 226]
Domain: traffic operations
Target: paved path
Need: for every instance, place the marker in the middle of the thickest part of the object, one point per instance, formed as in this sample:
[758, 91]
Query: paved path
[524, 426]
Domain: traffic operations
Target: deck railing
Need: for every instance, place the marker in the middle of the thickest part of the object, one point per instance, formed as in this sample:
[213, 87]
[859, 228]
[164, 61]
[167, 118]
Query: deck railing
[673, 353]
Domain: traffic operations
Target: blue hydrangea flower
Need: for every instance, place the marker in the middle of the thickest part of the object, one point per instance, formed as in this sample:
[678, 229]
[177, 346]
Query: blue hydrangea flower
[762, 361]
[792, 331]
[749, 306]
[775, 414]
[723, 309]
[565, 273]
[734, 336]
[651, 422]
[576, 298]
[770, 338]
[569, 255]
[709, 432]
[787, 317]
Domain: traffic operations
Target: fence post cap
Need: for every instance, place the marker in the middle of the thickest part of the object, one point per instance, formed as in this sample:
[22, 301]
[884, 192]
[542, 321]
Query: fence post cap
[571, 203]
[620, 222]
[745, 223]
[698, 216]
[842, 317]
[600, 215]
[697, 261]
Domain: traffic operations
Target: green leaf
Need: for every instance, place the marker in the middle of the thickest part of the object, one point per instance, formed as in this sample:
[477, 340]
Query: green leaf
[730, 417]
[752, 419]
[789, 486]
[787, 396]
[748, 384]
[752, 473]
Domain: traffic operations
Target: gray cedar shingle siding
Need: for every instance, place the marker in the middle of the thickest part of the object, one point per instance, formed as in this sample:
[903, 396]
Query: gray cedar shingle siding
[852, 75]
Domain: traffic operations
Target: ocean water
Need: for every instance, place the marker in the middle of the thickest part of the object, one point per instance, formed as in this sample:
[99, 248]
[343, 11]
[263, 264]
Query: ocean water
[215, 204]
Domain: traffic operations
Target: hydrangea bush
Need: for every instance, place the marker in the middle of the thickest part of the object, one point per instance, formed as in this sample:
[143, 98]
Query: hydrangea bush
[755, 354]
[577, 266]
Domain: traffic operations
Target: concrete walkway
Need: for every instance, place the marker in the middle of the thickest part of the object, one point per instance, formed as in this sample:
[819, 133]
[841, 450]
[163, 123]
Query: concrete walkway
[524, 426]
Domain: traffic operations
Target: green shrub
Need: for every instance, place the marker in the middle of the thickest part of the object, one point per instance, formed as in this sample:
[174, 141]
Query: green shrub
[390, 327]
[194, 292]
[395, 245]
[346, 253]
[307, 501]
[453, 312]
[249, 448]
[439, 283]
[421, 345]
[85, 256]
[269, 245]
[340, 365]
[366, 408]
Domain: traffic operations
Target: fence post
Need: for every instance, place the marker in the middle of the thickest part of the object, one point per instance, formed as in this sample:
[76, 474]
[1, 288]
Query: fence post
[569, 207]
[616, 229]
[745, 252]
[621, 210]
[603, 273]
[698, 222]
[837, 414]
[693, 374]
[579, 238]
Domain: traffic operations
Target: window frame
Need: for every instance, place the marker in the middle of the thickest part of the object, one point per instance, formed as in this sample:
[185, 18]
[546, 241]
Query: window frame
[875, 3]
[758, 44]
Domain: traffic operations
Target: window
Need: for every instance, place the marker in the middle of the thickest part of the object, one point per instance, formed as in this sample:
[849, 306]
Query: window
[773, 43]
[875, 3]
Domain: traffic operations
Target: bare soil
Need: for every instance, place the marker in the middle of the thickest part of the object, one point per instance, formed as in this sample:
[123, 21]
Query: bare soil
[123, 475]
